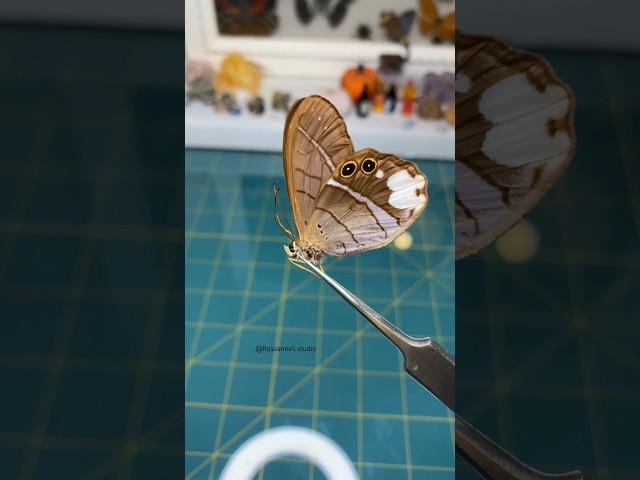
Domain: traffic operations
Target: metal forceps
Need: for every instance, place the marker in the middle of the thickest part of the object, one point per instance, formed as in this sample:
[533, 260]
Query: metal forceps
[434, 368]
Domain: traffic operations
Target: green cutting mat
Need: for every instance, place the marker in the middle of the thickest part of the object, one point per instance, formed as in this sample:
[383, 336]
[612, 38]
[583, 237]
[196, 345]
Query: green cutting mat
[242, 293]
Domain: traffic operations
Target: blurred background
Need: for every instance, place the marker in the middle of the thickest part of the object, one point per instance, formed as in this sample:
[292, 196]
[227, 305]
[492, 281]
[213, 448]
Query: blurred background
[91, 242]
[387, 66]
[546, 330]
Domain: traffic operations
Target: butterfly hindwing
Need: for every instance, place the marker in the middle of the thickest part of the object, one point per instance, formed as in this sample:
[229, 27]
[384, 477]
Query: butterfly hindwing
[315, 141]
[370, 199]
[514, 137]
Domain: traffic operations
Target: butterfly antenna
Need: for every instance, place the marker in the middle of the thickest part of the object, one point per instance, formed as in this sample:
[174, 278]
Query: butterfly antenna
[276, 198]
[286, 220]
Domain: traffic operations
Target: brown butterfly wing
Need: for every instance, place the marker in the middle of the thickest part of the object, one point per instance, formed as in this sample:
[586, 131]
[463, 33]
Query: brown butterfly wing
[366, 211]
[315, 141]
[514, 137]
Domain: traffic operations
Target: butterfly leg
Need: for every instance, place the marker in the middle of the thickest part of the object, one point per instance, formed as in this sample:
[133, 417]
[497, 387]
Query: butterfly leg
[301, 265]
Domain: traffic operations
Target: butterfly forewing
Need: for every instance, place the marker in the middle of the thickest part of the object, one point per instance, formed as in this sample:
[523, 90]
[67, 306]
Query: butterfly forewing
[315, 141]
[370, 199]
[514, 137]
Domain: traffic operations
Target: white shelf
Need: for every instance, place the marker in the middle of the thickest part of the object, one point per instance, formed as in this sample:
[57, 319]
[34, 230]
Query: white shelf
[406, 137]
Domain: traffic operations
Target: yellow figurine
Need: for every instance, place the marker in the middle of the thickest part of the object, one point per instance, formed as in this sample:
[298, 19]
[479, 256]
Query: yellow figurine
[238, 73]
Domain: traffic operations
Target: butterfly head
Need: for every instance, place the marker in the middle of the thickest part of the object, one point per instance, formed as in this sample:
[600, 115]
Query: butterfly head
[290, 249]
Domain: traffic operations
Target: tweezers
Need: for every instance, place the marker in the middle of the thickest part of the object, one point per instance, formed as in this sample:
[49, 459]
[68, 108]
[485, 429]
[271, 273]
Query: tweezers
[433, 367]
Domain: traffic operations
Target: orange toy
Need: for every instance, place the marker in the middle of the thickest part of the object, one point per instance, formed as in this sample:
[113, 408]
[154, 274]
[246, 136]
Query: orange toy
[355, 79]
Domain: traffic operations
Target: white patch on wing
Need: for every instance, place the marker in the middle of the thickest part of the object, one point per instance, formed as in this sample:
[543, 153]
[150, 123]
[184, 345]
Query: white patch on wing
[520, 114]
[383, 217]
[463, 83]
[379, 173]
[404, 189]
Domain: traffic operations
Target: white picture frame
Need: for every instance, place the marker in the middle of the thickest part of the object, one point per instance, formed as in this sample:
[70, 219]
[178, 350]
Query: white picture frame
[304, 57]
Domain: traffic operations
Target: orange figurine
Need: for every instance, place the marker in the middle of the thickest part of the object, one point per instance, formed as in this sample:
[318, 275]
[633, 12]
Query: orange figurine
[355, 79]
[378, 99]
[408, 99]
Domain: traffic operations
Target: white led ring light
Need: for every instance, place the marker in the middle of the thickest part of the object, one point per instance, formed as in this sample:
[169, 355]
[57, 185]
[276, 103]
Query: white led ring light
[269, 445]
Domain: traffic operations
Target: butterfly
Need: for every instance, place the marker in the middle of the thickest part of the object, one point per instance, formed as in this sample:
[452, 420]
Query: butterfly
[442, 27]
[514, 137]
[398, 27]
[336, 15]
[343, 201]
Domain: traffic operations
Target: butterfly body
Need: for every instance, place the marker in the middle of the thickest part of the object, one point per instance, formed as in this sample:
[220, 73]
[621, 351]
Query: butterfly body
[299, 249]
[343, 202]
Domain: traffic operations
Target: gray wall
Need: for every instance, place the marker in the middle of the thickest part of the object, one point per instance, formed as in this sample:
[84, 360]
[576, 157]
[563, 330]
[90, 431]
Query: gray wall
[604, 24]
[164, 14]
[599, 24]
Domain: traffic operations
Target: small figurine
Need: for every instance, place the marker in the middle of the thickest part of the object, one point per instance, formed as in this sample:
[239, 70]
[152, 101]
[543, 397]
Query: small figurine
[201, 90]
[256, 105]
[194, 70]
[238, 73]
[429, 108]
[390, 64]
[280, 101]
[408, 98]
[355, 79]
[450, 115]
[378, 99]
[198, 83]
[440, 86]
[391, 99]
[363, 107]
[230, 104]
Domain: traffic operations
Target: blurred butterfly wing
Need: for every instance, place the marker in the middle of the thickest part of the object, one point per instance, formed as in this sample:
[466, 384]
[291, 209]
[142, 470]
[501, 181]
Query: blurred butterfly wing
[315, 141]
[446, 27]
[367, 211]
[406, 21]
[428, 16]
[514, 137]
